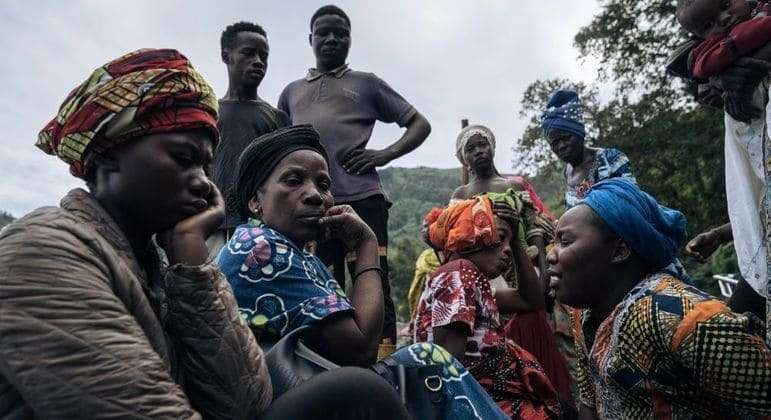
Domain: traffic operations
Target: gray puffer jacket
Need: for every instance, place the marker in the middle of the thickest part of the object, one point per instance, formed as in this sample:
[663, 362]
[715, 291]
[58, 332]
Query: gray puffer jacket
[86, 333]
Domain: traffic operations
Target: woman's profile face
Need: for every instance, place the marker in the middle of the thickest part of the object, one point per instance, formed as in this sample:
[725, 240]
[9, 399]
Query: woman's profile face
[296, 195]
[581, 258]
[496, 259]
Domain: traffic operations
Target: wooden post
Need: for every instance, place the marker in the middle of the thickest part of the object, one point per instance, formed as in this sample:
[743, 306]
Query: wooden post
[464, 170]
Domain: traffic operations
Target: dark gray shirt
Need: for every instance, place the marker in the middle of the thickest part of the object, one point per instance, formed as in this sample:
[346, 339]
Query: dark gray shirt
[240, 122]
[343, 106]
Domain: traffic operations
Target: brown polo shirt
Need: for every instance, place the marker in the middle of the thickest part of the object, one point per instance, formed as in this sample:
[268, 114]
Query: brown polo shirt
[343, 105]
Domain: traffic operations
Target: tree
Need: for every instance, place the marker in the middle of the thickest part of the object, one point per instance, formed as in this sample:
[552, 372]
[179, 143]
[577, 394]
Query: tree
[5, 219]
[675, 145]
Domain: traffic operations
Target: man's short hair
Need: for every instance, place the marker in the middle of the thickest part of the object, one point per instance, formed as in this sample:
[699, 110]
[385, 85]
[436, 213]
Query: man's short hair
[330, 9]
[229, 35]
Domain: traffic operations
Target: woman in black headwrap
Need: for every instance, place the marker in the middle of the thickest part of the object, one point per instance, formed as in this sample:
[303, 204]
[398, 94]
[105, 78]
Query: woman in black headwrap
[283, 187]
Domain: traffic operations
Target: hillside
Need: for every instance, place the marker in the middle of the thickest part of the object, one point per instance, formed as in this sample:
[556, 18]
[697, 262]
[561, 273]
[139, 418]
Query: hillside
[413, 192]
[5, 218]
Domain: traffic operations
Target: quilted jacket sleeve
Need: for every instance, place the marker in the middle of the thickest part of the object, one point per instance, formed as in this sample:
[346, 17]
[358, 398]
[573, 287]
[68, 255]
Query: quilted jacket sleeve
[68, 345]
[224, 368]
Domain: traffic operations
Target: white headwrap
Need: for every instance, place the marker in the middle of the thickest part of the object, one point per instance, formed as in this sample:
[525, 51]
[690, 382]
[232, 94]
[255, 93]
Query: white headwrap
[469, 132]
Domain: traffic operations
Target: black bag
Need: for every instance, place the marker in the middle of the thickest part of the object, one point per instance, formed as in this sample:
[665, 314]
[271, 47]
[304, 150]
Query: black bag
[420, 388]
[291, 363]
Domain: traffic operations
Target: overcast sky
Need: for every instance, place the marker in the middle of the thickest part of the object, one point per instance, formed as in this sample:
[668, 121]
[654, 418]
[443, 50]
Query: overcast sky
[451, 59]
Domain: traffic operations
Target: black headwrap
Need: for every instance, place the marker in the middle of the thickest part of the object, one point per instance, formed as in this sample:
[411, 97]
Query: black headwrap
[261, 157]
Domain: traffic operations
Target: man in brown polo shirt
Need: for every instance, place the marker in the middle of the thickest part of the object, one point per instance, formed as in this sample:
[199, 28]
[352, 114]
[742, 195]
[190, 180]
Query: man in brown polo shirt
[343, 105]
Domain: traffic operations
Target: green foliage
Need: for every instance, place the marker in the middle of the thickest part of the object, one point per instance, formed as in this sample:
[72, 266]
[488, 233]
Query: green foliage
[632, 40]
[5, 219]
[413, 192]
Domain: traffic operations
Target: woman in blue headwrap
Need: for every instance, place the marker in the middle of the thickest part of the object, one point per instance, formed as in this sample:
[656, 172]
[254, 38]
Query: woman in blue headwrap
[650, 345]
[563, 125]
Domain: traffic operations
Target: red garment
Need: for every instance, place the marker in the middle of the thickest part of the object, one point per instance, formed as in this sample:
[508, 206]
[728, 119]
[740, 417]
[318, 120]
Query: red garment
[458, 292]
[537, 202]
[144, 92]
[716, 54]
[533, 333]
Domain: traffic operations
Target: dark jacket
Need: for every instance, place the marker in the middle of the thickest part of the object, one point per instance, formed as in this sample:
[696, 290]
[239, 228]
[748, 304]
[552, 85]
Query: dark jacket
[86, 333]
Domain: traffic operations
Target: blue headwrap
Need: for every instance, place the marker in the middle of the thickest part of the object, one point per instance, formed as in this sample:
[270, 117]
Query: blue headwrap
[563, 112]
[653, 231]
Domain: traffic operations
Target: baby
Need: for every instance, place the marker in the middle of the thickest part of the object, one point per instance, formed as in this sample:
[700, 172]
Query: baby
[730, 29]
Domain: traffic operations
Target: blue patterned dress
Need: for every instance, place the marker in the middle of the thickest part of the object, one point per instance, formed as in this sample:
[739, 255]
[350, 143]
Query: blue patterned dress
[280, 287]
[609, 163]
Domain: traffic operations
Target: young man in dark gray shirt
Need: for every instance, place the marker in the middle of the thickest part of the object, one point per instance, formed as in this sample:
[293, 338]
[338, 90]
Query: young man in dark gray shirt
[243, 115]
[343, 105]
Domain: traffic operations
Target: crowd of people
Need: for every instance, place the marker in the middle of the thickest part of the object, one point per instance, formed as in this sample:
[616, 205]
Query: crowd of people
[213, 232]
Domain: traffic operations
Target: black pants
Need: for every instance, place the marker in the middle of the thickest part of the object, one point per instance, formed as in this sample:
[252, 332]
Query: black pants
[746, 299]
[374, 211]
[345, 393]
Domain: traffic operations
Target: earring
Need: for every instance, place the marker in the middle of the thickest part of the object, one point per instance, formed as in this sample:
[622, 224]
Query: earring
[256, 210]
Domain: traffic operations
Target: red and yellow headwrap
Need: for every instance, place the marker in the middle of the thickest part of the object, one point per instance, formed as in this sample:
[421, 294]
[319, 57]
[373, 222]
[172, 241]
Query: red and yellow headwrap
[463, 226]
[144, 92]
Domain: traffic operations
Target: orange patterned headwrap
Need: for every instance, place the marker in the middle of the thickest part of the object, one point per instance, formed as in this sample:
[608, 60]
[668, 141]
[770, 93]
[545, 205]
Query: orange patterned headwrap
[144, 92]
[463, 226]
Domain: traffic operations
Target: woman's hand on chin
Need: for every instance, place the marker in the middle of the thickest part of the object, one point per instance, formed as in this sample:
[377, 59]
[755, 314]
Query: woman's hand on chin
[185, 243]
[342, 223]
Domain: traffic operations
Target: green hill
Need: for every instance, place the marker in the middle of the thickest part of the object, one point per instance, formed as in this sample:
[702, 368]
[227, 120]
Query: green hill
[5, 218]
[413, 192]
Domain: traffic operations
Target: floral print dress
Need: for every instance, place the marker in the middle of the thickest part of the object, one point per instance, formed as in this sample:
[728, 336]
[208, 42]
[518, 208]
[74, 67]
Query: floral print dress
[280, 287]
[459, 293]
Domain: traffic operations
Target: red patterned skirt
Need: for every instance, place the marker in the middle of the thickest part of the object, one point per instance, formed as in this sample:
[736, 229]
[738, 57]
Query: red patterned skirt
[516, 381]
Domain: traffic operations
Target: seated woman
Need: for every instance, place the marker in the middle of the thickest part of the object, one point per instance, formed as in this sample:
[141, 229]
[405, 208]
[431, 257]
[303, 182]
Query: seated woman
[650, 345]
[458, 310]
[283, 185]
[530, 328]
[92, 321]
[475, 149]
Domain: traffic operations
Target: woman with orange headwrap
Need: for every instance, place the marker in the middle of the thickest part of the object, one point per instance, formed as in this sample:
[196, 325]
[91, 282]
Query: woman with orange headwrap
[458, 310]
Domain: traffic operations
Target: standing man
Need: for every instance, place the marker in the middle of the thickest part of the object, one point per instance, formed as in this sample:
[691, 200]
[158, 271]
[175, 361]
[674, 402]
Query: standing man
[343, 105]
[244, 116]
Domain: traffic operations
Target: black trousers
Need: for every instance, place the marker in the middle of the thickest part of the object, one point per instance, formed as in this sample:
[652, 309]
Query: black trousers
[374, 211]
[746, 299]
[340, 394]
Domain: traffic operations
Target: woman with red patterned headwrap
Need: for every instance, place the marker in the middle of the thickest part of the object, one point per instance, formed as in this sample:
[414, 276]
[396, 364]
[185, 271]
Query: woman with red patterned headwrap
[110, 307]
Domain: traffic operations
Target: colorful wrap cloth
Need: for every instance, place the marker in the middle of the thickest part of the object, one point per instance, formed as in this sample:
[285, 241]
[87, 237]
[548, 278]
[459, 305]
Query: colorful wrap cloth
[466, 134]
[534, 197]
[466, 225]
[427, 262]
[653, 231]
[532, 223]
[144, 92]
[563, 112]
